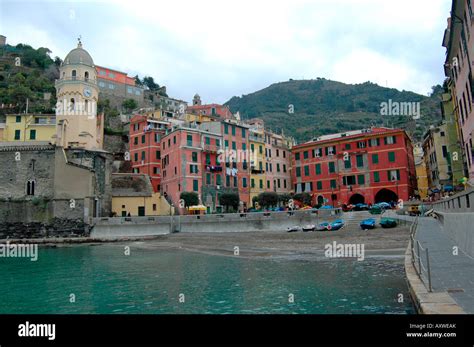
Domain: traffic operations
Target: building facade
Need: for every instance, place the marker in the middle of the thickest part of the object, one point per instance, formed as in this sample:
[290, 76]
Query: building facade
[145, 147]
[30, 127]
[459, 65]
[364, 166]
[118, 85]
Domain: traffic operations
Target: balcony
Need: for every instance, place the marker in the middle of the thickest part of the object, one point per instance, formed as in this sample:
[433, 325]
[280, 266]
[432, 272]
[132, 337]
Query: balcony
[210, 148]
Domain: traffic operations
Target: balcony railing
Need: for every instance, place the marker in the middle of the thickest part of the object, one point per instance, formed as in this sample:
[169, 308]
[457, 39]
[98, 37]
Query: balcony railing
[210, 148]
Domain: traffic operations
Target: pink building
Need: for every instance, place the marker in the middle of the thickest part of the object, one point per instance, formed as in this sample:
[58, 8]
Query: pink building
[459, 42]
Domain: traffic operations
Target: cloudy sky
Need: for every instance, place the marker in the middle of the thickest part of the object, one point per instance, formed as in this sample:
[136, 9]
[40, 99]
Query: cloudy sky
[222, 48]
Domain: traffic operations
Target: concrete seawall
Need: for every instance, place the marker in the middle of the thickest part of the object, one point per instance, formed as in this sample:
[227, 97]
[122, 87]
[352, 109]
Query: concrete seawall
[460, 227]
[118, 227]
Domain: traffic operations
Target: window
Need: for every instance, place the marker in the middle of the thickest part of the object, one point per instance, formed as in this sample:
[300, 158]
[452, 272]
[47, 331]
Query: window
[374, 142]
[218, 180]
[305, 155]
[73, 74]
[30, 187]
[298, 172]
[268, 184]
[196, 185]
[391, 157]
[86, 75]
[244, 146]
[347, 163]
[236, 183]
[189, 139]
[194, 157]
[332, 167]
[375, 158]
[18, 119]
[319, 185]
[284, 167]
[17, 134]
[244, 182]
[208, 140]
[158, 155]
[348, 180]
[360, 160]
[136, 157]
[226, 128]
[208, 159]
[333, 184]
[393, 175]
[234, 146]
[306, 170]
[260, 149]
[318, 152]
[361, 144]
[226, 144]
[193, 169]
[252, 147]
[156, 170]
[390, 140]
[101, 84]
[208, 178]
[318, 169]
[233, 130]
[174, 139]
[243, 133]
[297, 156]
[143, 155]
[347, 146]
[376, 177]
[445, 151]
[111, 86]
[218, 142]
[278, 167]
[32, 134]
[252, 183]
[361, 179]
[261, 184]
[143, 138]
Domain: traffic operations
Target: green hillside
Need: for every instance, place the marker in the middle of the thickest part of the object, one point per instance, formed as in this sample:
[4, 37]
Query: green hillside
[323, 106]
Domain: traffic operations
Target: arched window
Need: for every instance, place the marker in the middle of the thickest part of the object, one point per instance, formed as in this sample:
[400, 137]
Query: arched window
[73, 74]
[64, 75]
[86, 106]
[30, 187]
[72, 104]
[86, 75]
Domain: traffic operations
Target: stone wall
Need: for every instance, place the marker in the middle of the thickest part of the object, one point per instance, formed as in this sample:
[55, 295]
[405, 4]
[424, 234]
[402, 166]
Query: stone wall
[56, 228]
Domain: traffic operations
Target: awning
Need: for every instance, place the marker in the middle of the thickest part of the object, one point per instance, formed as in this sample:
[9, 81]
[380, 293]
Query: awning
[198, 208]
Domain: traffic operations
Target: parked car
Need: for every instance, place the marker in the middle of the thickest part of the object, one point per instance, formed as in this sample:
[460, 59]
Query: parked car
[367, 224]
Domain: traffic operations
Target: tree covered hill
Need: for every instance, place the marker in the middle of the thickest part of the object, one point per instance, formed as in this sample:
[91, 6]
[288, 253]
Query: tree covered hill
[323, 106]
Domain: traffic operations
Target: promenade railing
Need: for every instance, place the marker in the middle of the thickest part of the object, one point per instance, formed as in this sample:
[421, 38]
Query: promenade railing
[422, 266]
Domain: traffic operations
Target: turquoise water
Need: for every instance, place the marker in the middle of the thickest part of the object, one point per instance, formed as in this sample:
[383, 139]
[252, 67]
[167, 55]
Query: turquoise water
[104, 280]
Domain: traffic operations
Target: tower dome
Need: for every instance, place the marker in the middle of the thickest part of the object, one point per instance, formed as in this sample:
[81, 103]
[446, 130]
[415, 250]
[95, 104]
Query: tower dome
[78, 56]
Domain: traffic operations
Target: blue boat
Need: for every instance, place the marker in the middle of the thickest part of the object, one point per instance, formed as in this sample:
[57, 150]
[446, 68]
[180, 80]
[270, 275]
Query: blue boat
[388, 223]
[367, 224]
[336, 225]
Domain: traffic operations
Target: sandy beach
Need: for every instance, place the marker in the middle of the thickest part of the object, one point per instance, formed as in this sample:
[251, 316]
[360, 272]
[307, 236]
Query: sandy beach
[378, 242]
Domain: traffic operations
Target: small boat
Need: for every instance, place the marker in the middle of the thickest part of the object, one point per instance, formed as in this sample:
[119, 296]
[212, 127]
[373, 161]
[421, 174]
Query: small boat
[376, 209]
[323, 226]
[336, 225]
[360, 207]
[388, 223]
[309, 227]
[293, 229]
[384, 205]
[367, 224]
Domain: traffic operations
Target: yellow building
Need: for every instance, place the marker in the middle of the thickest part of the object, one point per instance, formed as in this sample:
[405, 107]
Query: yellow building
[421, 172]
[257, 162]
[30, 127]
[132, 195]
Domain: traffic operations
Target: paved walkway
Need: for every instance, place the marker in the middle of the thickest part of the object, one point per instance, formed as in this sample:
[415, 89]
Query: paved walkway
[449, 273]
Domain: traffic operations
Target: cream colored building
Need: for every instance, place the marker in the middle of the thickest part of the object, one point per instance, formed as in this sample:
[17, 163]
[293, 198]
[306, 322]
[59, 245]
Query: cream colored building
[132, 195]
[78, 125]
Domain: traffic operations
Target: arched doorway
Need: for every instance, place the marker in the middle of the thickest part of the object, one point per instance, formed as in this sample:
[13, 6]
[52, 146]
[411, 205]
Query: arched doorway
[356, 199]
[385, 195]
